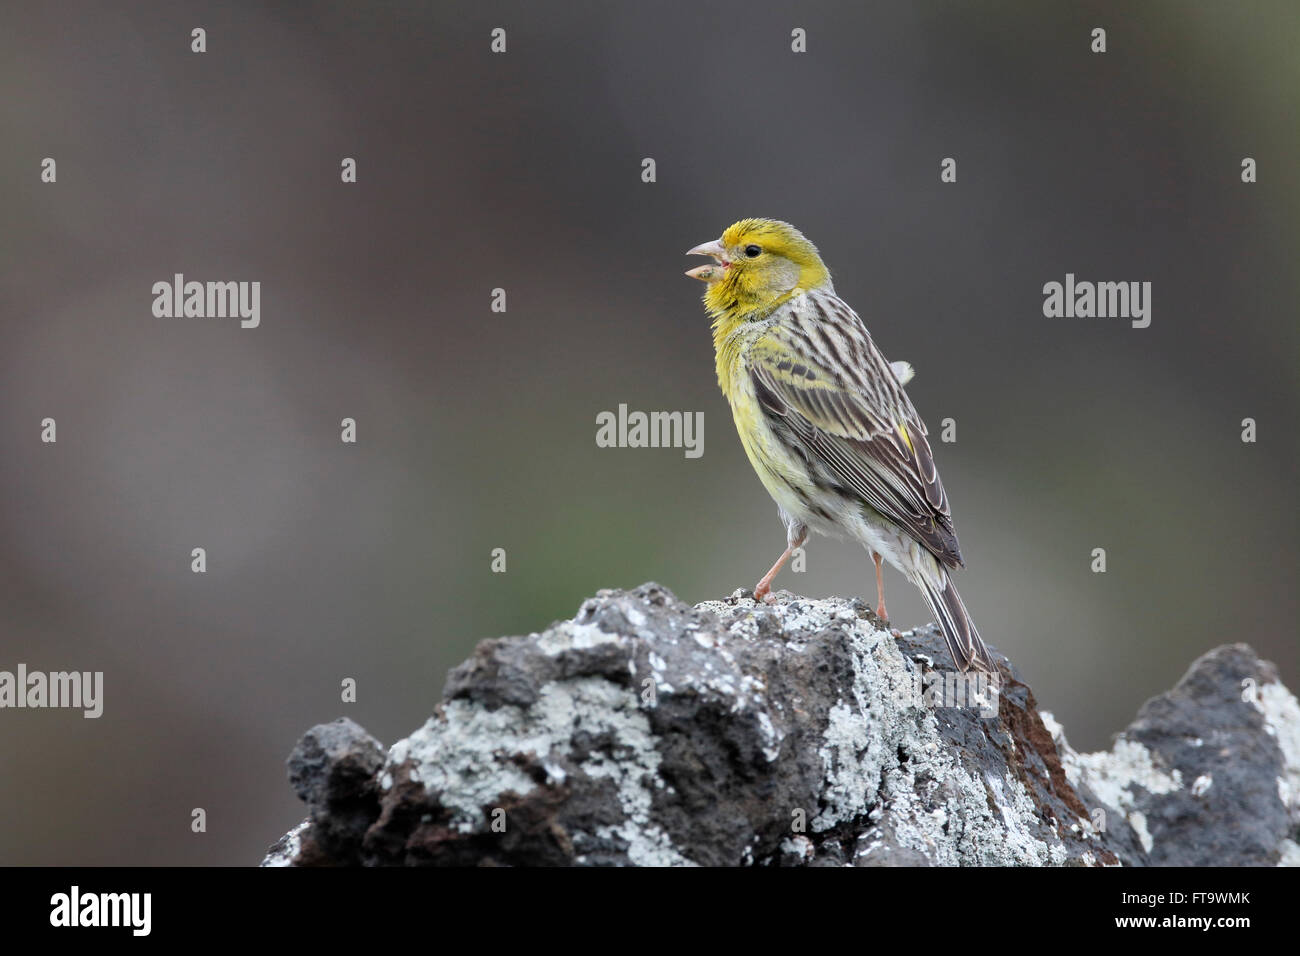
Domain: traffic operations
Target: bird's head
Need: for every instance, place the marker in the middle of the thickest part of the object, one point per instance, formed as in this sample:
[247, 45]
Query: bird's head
[758, 264]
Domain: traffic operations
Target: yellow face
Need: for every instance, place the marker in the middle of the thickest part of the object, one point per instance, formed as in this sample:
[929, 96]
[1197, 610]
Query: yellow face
[758, 264]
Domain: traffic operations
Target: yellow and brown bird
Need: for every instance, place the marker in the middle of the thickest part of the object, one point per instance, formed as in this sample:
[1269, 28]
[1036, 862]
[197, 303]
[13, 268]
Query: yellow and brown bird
[825, 421]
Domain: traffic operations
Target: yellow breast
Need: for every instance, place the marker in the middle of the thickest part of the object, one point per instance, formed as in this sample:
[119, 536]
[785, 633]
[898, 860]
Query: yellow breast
[780, 470]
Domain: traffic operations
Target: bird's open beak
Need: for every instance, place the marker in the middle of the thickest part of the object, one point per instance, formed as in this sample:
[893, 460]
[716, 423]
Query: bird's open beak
[713, 272]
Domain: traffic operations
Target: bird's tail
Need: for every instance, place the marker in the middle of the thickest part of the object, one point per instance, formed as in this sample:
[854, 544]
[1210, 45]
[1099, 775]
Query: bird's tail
[959, 631]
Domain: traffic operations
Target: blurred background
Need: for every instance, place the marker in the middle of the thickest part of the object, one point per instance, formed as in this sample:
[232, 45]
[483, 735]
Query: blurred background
[476, 430]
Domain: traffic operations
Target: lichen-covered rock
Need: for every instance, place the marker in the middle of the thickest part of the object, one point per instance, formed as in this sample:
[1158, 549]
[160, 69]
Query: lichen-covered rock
[648, 732]
[1208, 774]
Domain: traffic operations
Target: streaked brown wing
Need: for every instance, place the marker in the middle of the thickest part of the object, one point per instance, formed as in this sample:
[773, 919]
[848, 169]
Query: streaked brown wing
[818, 372]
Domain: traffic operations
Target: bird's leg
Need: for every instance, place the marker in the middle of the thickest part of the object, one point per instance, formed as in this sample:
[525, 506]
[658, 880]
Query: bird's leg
[880, 589]
[763, 589]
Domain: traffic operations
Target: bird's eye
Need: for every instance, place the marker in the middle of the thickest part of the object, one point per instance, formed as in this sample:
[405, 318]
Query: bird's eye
[752, 251]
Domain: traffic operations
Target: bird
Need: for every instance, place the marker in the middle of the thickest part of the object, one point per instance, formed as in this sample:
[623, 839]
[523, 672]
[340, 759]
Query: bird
[825, 422]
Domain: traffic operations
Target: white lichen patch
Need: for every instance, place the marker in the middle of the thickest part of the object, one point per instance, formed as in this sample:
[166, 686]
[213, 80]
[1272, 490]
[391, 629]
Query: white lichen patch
[460, 757]
[637, 761]
[1016, 807]
[1053, 726]
[1290, 854]
[457, 757]
[1138, 821]
[569, 636]
[286, 851]
[772, 738]
[850, 753]
[1281, 713]
[1111, 774]
[799, 847]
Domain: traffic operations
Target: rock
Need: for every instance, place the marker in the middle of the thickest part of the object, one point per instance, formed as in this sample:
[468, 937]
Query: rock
[334, 770]
[1208, 774]
[647, 732]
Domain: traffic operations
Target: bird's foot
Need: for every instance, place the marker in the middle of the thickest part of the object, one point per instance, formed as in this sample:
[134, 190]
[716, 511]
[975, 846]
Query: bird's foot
[763, 593]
